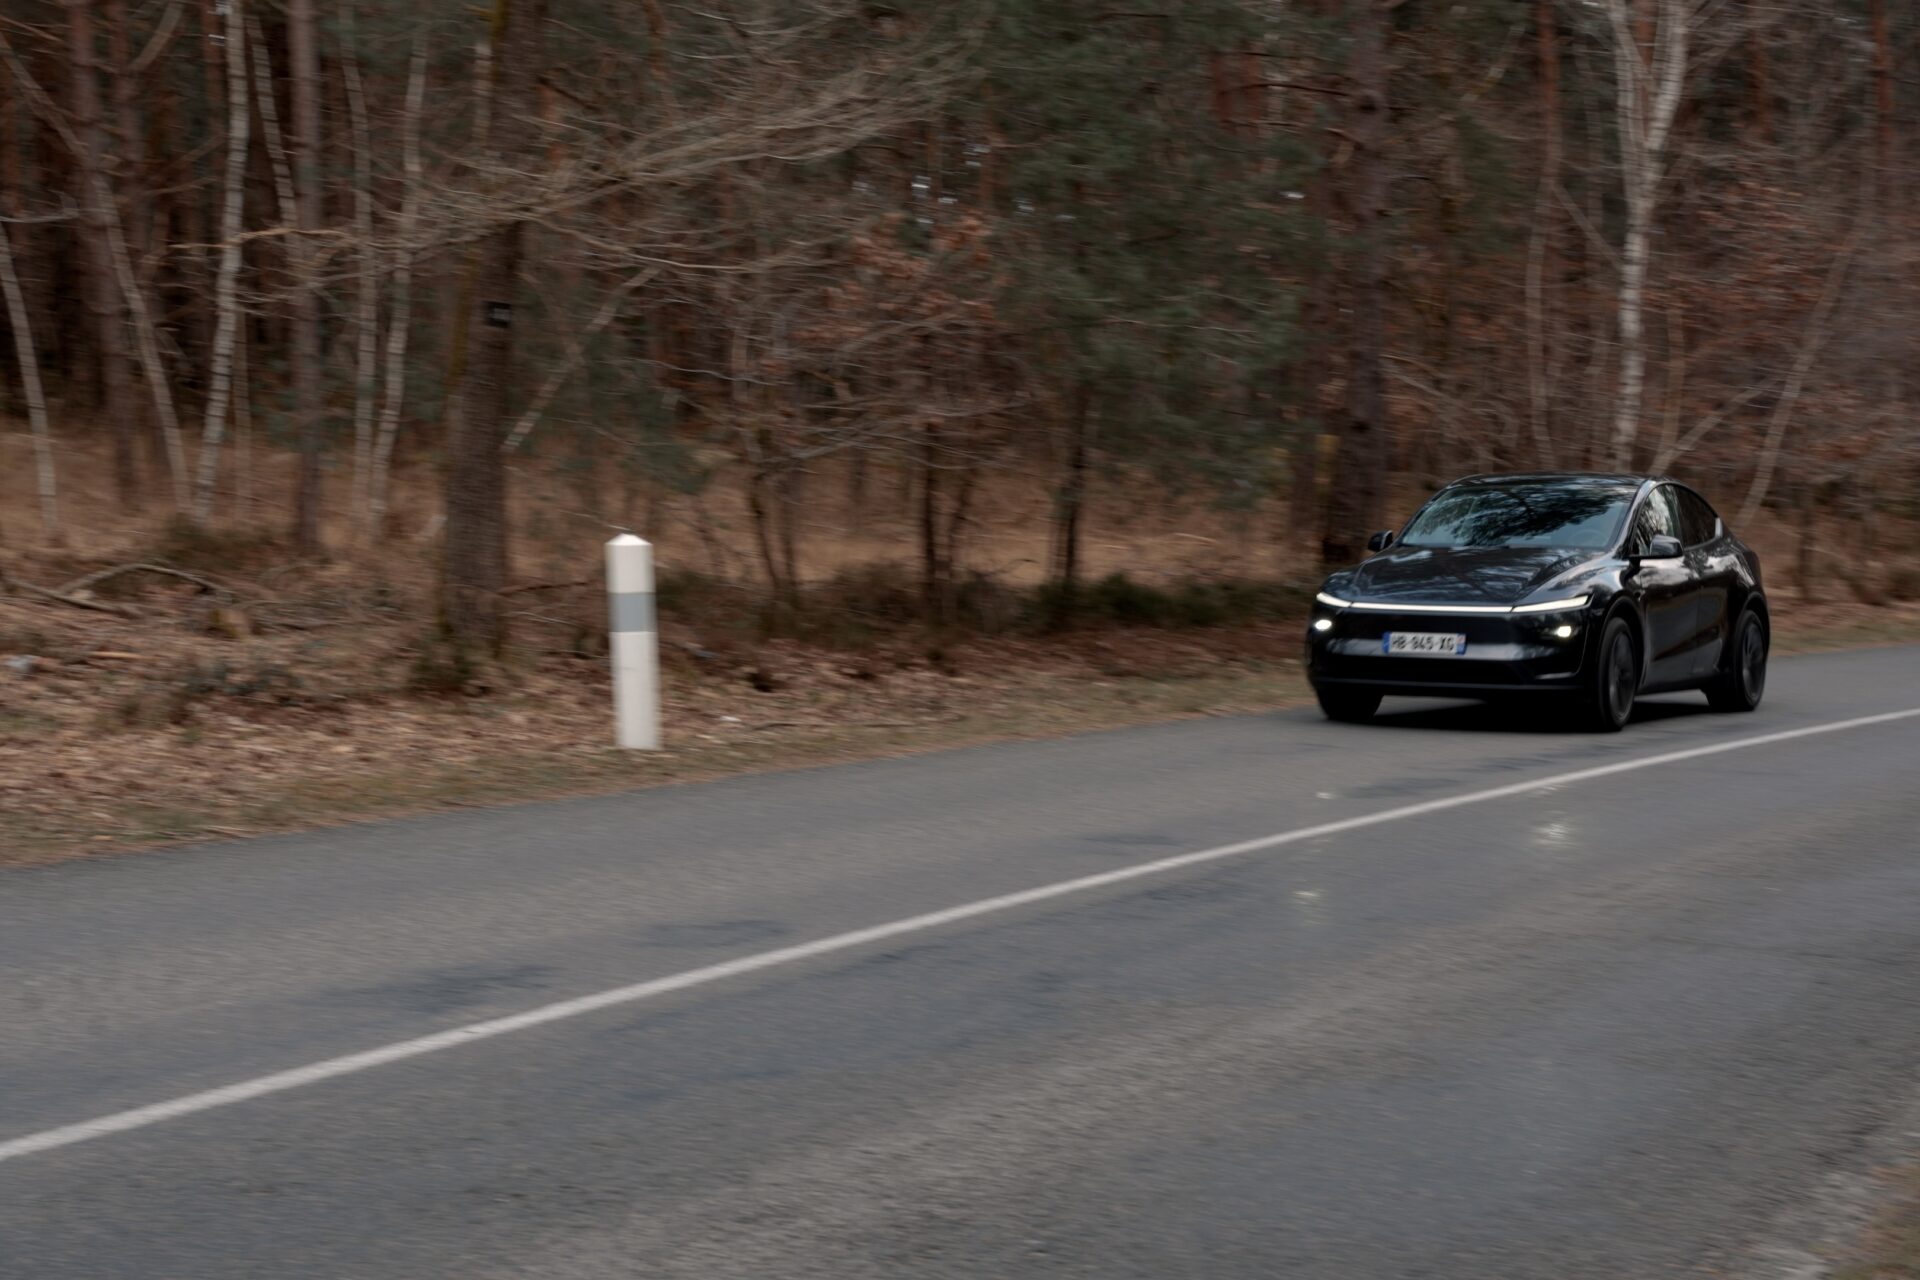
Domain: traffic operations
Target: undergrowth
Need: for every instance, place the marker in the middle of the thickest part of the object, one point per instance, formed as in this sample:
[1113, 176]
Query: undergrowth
[859, 607]
[169, 698]
[216, 549]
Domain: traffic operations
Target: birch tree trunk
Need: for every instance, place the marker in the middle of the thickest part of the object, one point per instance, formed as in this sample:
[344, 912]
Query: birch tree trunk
[243, 504]
[382, 461]
[23, 347]
[1649, 75]
[147, 343]
[226, 304]
[366, 319]
[200, 266]
[270, 134]
[304, 55]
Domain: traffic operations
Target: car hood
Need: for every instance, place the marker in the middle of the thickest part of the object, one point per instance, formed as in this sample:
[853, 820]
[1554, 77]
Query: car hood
[1469, 575]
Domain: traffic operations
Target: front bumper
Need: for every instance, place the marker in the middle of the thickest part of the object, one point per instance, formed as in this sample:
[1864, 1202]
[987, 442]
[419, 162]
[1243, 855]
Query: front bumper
[1505, 653]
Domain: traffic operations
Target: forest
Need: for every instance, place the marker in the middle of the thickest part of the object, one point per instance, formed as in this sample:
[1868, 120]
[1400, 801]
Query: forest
[432, 283]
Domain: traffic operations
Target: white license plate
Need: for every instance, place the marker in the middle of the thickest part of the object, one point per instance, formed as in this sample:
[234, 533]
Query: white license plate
[1423, 644]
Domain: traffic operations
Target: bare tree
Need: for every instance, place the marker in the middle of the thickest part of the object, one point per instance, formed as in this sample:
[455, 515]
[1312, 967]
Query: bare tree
[303, 52]
[123, 167]
[270, 133]
[103, 307]
[243, 504]
[366, 312]
[474, 568]
[1650, 71]
[22, 323]
[108, 248]
[380, 464]
[1817, 333]
[226, 303]
[1354, 503]
[1542, 259]
[147, 343]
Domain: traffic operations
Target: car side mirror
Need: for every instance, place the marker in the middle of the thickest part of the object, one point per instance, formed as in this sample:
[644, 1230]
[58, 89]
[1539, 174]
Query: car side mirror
[1380, 541]
[1662, 546]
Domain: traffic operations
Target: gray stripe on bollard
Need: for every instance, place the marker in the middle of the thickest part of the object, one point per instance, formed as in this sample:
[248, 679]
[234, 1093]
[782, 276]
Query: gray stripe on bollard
[631, 610]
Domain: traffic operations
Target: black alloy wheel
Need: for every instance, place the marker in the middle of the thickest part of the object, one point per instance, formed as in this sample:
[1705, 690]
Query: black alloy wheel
[1615, 680]
[1741, 684]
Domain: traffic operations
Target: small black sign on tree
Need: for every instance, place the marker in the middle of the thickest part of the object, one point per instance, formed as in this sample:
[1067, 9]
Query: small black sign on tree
[500, 314]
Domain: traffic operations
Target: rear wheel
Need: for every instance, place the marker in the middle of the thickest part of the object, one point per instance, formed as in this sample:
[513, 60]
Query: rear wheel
[1739, 686]
[1615, 679]
[1352, 705]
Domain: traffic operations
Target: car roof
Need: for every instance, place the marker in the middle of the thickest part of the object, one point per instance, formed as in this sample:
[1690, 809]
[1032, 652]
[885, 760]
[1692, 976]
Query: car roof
[1555, 477]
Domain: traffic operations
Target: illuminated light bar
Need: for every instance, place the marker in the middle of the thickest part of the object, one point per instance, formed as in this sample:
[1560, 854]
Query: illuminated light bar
[1375, 606]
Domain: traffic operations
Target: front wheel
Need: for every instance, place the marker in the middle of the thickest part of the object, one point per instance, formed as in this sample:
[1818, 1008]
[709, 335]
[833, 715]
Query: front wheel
[1615, 679]
[1739, 686]
[1350, 705]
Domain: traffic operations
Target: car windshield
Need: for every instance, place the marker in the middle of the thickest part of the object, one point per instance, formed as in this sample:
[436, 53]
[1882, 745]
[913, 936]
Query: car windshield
[1578, 517]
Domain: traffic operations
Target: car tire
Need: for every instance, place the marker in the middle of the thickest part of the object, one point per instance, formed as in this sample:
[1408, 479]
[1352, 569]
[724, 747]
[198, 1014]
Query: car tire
[1740, 686]
[1615, 680]
[1353, 706]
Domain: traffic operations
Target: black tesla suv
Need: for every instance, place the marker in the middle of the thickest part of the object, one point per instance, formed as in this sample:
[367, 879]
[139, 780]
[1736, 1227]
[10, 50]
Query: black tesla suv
[1591, 588]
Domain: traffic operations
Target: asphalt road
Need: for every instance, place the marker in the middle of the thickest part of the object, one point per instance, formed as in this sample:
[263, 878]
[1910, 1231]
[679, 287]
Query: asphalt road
[1656, 1023]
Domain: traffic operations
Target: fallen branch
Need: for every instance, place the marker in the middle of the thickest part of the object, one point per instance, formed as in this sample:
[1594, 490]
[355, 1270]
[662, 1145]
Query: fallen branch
[546, 586]
[576, 350]
[1664, 459]
[102, 575]
[43, 593]
[309, 624]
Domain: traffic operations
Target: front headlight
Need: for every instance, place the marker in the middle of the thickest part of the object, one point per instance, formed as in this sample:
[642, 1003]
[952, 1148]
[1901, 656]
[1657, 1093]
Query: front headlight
[1336, 602]
[1554, 606]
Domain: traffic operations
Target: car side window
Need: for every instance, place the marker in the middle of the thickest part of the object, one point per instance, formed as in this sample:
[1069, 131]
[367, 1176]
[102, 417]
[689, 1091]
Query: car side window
[1659, 514]
[1697, 521]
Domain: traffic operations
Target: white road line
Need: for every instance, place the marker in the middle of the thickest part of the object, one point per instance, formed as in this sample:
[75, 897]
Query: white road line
[350, 1064]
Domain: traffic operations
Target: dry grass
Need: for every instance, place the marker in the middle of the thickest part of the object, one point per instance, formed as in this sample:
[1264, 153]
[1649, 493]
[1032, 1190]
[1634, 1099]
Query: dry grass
[236, 763]
[1890, 1248]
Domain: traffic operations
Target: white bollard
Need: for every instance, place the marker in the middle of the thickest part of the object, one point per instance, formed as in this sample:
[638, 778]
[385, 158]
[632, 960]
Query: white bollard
[635, 642]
